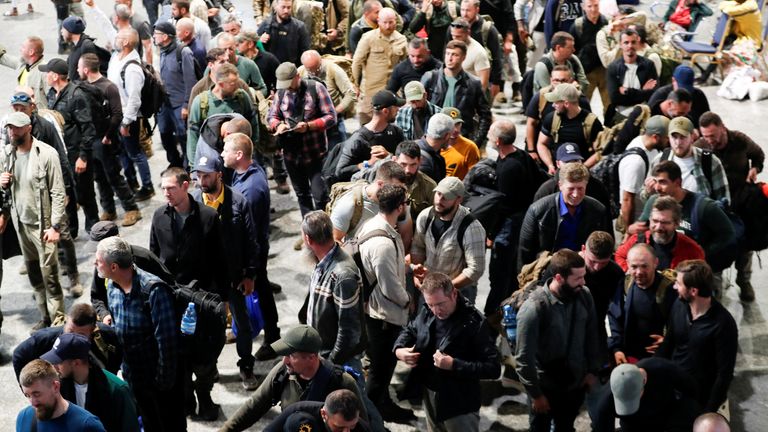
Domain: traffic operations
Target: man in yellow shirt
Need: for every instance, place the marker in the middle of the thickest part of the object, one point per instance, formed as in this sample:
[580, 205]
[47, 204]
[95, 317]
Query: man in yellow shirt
[747, 19]
[462, 153]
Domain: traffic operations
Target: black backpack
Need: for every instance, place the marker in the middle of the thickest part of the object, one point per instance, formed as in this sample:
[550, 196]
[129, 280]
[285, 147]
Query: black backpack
[103, 54]
[153, 94]
[331, 161]
[607, 171]
[99, 107]
[482, 198]
[729, 252]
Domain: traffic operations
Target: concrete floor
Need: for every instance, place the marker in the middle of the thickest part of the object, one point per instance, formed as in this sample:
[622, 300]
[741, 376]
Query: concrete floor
[503, 409]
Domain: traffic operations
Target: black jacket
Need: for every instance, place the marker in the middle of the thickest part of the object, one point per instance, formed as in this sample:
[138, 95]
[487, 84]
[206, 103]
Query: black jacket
[287, 40]
[470, 99]
[595, 189]
[432, 163]
[468, 341]
[311, 409]
[542, 223]
[84, 45]
[145, 260]
[79, 129]
[357, 148]
[615, 79]
[196, 252]
[238, 232]
[105, 347]
[404, 72]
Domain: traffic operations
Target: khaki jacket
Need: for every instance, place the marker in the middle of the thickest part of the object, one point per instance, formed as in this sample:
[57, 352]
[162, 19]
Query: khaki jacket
[374, 59]
[36, 80]
[44, 170]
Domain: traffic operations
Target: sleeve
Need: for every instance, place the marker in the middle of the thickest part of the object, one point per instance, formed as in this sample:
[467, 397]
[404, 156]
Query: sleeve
[359, 59]
[622, 251]
[719, 228]
[605, 51]
[123, 401]
[259, 83]
[134, 81]
[278, 424]
[613, 84]
[550, 11]
[591, 350]
[341, 214]
[726, 341]
[345, 88]
[529, 243]
[164, 323]
[581, 77]
[494, 45]
[303, 39]
[631, 174]
[755, 154]
[99, 296]
[327, 118]
[541, 76]
[474, 251]
[56, 185]
[353, 38]
[484, 114]
[382, 258]
[187, 73]
[519, 9]
[94, 14]
[116, 110]
[407, 336]
[615, 317]
[393, 83]
[255, 407]
[84, 119]
[527, 346]
[669, 343]
[93, 424]
[352, 153]
[194, 122]
[346, 299]
[532, 110]
[275, 114]
[251, 247]
[487, 365]
[720, 190]
[419, 20]
[546, 124]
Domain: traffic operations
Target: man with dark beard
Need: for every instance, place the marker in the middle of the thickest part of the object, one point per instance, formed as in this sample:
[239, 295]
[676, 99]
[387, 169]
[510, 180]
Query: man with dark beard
[557, 351]
[420, 186]
[238, 233]
[41, 385]
[439, 229]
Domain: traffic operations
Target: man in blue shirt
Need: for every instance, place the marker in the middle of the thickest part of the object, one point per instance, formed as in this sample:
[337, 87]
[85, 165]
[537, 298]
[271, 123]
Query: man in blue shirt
[48, 410]
[251, 181]
[149, 335]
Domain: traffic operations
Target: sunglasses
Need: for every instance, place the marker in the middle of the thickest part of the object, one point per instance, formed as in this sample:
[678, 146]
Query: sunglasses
[461, 26]
[20, 99]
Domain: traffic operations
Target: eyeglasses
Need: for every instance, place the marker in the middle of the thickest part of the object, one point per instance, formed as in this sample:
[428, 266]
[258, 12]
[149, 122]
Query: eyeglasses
[461, 26]
[20, 98]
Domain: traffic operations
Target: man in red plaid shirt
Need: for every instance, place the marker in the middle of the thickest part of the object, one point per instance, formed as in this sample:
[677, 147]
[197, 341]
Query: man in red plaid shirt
[300, 131]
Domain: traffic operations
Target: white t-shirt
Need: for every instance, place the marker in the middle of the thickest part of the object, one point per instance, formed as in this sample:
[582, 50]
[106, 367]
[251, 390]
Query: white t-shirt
[686, 166]
[476, 60]
[80, 391]
[633, 171]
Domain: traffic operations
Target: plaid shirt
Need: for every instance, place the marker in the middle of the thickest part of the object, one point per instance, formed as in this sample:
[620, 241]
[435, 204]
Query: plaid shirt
[444, 255]
[718, 190]
[149, 337]
[309, 147]
[404, 119]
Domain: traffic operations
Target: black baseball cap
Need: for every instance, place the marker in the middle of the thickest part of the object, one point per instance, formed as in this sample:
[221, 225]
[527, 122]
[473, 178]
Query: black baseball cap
[386, 99]
[56, 65]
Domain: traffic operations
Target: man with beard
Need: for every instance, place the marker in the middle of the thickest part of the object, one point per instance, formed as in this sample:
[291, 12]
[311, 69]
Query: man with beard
[439, 230]
[283, 35]
[631, 78]
[701, 335]
[48, 410]
[420, 186]
[419, 61]
[238, 232]
[669, 246]
[414, 117]
[557, 353]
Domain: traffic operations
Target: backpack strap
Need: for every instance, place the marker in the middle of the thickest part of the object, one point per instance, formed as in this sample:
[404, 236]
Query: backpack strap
[555, 128]
[125, 67]
[696, 213]
[543, 100]
[204, 104]
[706, 166]
[357, 212]
[588, 123]
[485, 29]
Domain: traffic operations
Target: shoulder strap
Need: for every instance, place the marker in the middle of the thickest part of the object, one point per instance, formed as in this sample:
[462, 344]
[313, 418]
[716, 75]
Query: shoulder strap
[373, 234]
[357, 212]
[125, 67]
[666, 154]
[706, 166]
[543, 101]
[468, 219]
[204, 104]
[484, 30]
[588, 123]
[548, 63]
[555, 128]
[696, 213]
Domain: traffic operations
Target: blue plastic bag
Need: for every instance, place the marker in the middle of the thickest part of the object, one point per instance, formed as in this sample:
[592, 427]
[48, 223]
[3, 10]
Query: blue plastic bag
[254, 315]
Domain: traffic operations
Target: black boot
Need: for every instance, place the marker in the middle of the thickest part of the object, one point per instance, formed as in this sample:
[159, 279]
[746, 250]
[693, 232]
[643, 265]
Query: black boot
[207, 410]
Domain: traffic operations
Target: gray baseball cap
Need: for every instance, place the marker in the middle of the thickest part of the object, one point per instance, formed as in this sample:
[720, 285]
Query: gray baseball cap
[627, 384]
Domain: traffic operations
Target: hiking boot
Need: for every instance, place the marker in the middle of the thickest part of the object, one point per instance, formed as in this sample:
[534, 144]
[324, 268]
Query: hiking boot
[43, 323]
[265, 353]
[74, 286]
[747, 293]
[249, 381]
[134, 185]
[12, 12]
[299, 244]
[391, 412]
[108, 216]
[283, 188]
[207, 410]
[144, 194]
[131, 217]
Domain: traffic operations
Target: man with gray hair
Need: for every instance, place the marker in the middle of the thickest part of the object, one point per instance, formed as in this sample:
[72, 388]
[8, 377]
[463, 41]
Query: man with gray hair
[437, 138]
[149, 335]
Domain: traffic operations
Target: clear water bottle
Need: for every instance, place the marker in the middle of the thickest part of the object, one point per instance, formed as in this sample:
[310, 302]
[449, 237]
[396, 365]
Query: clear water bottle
[510, 324]
[189, 320]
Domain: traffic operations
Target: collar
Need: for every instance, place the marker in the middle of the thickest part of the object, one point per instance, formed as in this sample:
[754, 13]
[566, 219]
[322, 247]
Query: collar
[564, 209]
[322, 266]
[215, 203]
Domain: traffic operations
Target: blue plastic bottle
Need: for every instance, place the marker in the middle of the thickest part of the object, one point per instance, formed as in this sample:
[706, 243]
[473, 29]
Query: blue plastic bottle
[189, 320]
[510, 324]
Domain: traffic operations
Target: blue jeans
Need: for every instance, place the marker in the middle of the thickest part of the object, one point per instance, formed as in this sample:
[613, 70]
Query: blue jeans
[173, 133]
[133, 154]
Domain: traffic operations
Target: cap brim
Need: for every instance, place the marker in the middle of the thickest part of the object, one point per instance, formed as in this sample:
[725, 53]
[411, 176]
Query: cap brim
[283, 84]
[626, 408]
[414, 97]
[682, 132]
[51, 357]
[571, 158]
[282, 348]
[449, 195]
[16, 125]
[553, 97]
[399, 101]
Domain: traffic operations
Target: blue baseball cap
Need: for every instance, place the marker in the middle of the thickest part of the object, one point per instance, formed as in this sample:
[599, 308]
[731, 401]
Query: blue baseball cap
[68, 346]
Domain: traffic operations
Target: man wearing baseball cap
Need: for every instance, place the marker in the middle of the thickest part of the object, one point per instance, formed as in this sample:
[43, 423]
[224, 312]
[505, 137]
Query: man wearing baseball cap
[88, 386]
[414, 117]
[691, 159]
[567, 123]
[292, 379]
[436, 139]
[462, 153]
[300, 132]
[635, 166]
[654, 394]
[238, 232]
[682, 79]
[434, 243]
[339, 412]
[38, 202]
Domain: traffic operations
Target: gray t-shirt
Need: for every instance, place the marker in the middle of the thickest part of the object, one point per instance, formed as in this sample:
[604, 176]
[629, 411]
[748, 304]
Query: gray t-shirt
[344, 209]
[24, 192]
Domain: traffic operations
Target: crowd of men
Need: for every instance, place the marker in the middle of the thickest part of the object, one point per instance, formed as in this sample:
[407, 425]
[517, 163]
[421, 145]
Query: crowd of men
[623, 317]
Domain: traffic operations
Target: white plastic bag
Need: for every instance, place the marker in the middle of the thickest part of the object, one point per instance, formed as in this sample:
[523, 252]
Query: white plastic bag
[735, 86]
[758, 90]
